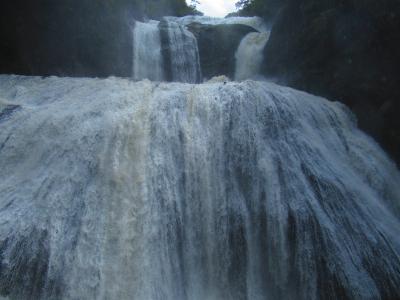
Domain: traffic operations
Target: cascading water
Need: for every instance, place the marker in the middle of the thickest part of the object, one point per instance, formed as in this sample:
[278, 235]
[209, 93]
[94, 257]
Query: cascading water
[255, 22]
[167, 50]
[182, 52]
[180, 57]
[249, 56]
[111, 189]
[147, 59]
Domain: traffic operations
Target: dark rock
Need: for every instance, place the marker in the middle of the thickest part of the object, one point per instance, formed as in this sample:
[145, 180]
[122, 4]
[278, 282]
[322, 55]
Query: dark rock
[347, 51]
[65, 38]
[6, 110]
[217, 47]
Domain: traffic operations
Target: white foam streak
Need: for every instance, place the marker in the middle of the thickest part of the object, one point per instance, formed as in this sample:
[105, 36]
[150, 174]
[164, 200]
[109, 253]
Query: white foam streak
[147, 59]
[249, 56]
[184, 54]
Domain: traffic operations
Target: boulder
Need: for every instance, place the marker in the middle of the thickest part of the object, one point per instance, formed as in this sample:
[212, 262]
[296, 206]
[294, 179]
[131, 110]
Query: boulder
[217, 47]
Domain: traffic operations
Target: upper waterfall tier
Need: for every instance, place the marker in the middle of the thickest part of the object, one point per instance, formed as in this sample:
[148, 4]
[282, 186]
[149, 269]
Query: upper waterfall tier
[188, 48]
[180, 52]
[114, 189]
[249, 56]
[254, 22]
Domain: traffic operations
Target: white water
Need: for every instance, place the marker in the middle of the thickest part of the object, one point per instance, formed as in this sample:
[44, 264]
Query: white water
[249, 56]
[184, 54]
[255, 22]
[147, 59]
[111, 189]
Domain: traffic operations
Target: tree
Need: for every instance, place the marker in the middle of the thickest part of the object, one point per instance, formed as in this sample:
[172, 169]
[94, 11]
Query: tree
[242, 3]
[263, 8]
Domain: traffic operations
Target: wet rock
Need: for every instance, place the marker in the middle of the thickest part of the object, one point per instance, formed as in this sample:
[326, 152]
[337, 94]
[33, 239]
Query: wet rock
[217, 47]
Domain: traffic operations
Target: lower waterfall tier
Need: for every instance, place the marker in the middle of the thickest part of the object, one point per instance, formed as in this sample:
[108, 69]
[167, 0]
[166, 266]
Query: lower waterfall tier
[113, 189]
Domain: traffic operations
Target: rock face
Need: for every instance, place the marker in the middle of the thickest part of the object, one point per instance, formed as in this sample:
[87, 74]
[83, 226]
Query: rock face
[68, 38]
[217, 47]
[347, 51]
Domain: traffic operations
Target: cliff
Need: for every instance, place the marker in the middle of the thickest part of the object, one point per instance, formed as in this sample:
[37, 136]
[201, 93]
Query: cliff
[347, 51]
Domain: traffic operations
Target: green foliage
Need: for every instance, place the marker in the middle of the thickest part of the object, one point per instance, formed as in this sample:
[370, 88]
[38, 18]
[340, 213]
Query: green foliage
[263, 8]
[155, 9]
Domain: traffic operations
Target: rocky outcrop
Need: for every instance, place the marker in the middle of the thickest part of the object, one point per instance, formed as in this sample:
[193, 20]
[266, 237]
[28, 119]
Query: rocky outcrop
[347, 51]
[217, 47]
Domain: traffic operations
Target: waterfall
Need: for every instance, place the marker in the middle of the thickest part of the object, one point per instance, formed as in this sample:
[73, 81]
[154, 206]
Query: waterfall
[256, 22]
[147, 59]
[182, 52]
[249, 56]
[167, 50]
[113, 189]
